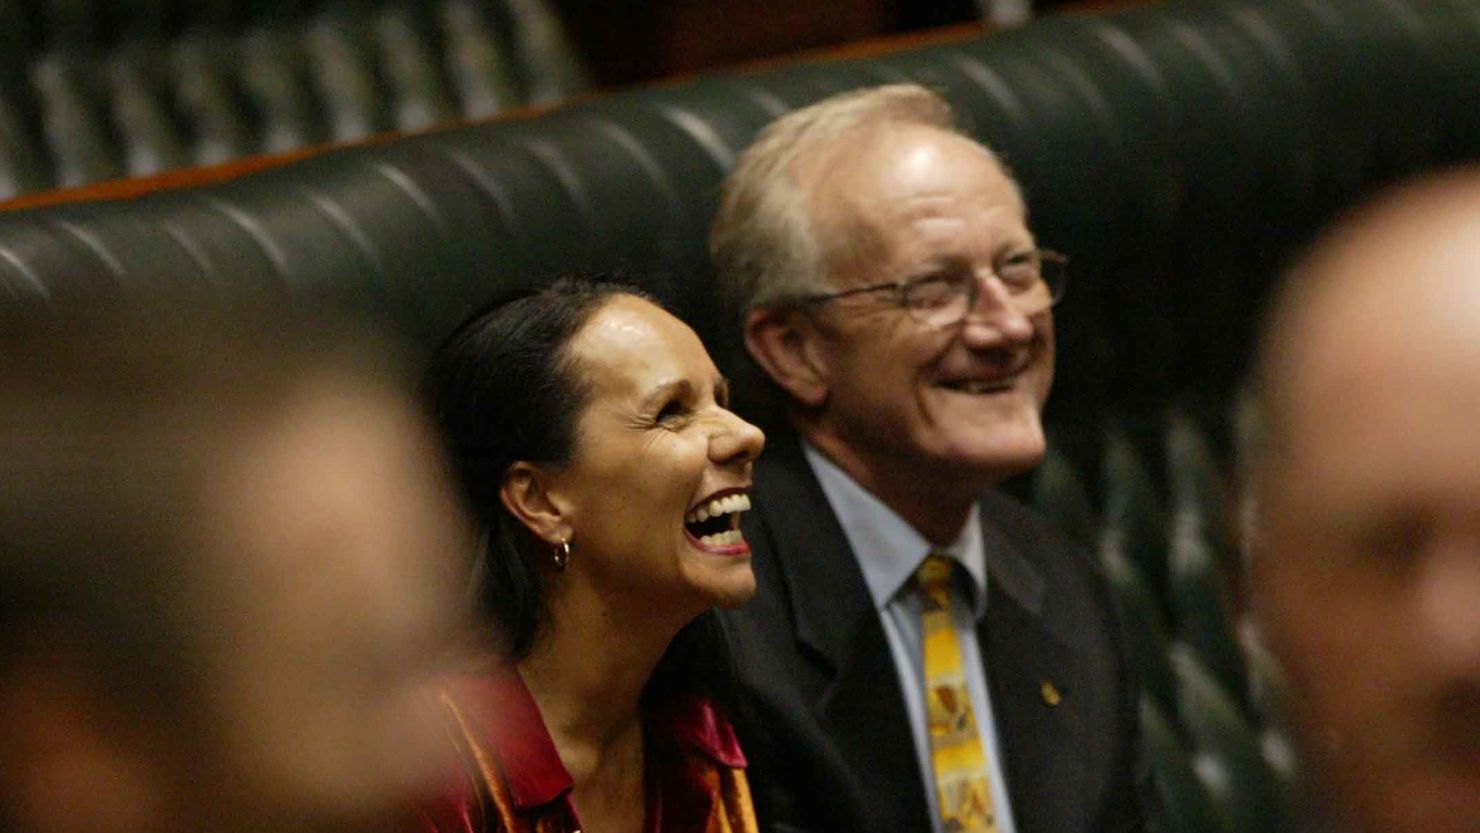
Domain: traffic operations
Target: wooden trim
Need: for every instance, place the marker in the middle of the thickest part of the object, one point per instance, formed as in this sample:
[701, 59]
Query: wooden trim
[124, 189]
[871, 48]
[889, 44]
[131, 188]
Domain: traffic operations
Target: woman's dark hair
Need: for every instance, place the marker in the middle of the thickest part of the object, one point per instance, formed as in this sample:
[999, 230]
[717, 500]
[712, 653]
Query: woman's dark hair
[504, 388]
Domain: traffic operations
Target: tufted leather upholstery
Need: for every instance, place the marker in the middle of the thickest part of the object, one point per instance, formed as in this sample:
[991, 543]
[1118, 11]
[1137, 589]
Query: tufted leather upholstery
[1176, 152]
[98, 89]
[1186, 805]
[1228, 757]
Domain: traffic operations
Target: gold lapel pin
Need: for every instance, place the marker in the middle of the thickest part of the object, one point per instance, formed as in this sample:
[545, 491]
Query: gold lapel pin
[1050, 692]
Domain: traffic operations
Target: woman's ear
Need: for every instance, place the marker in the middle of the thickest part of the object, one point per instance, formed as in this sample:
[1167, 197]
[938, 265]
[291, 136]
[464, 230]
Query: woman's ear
[526, 494]
[787, 350]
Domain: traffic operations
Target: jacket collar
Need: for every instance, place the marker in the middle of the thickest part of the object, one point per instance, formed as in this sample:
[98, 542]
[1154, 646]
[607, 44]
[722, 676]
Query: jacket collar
[1011, 571]
[823, 581]
[889, 551]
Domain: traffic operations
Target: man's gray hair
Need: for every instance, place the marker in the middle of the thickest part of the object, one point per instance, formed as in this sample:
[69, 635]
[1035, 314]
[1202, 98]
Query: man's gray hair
[766, 246]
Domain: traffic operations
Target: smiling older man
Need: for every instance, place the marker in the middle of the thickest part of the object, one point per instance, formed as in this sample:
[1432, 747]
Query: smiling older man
[923, 653]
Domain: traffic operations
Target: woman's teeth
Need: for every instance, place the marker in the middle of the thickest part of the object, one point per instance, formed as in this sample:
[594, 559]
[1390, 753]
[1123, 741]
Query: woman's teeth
[715, 508]
[723, 539]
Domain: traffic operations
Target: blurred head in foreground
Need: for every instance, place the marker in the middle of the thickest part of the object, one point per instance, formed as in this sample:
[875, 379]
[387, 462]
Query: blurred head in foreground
[1370, 573]
[225, 571]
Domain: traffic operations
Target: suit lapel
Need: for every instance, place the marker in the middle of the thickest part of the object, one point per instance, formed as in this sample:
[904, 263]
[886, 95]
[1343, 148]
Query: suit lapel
[837, 629]
[1033, 677]
[837, 626]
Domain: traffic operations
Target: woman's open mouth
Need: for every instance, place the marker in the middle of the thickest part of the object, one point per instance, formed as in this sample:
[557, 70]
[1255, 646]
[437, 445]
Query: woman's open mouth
[714, 524]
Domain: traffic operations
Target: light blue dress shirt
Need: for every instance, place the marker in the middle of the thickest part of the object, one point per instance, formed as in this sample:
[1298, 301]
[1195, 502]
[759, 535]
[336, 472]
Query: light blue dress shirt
[889, 551]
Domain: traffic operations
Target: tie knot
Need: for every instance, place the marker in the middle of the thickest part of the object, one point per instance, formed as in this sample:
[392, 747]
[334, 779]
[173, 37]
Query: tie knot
[935, 573]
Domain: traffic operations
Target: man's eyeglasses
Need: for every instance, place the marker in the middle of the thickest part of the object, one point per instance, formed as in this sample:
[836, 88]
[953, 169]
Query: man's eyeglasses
[1034, 281]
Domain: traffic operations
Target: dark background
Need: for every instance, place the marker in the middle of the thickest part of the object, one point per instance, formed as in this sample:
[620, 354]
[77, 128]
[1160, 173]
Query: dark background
[628, 41]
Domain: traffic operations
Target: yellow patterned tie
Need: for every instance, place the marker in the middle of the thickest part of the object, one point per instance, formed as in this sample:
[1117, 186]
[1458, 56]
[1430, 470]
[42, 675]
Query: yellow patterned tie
[955, 744]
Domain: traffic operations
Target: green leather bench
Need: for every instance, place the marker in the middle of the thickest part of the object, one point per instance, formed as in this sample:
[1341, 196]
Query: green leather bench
[98, 89]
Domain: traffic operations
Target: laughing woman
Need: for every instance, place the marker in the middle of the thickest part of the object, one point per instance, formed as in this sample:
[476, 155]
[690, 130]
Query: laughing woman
[591, 433]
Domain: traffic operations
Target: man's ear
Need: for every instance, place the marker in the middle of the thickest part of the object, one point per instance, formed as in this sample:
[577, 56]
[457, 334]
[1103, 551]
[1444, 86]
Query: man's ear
[784, 347]
[527, 495]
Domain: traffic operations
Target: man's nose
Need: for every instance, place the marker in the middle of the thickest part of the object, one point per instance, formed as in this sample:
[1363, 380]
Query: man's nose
[996, 318]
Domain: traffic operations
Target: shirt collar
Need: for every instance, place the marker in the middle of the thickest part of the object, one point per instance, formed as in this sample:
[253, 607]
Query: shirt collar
[696, 724]
[526, 753]
[521, 744]
[888, 549]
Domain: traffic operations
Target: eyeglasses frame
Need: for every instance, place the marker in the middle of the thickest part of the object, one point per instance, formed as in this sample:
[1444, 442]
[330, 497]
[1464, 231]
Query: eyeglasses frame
[901, 289]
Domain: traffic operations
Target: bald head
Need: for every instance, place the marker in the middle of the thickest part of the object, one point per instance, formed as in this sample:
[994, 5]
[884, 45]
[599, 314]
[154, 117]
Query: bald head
[1370, 573]
[1395, 291]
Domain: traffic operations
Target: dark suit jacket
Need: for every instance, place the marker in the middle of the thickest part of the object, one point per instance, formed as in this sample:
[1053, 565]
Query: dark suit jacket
[821, 715]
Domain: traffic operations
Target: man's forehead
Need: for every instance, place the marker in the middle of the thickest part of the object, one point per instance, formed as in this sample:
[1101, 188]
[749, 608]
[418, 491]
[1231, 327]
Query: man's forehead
[322, 465]
[872, 154]
[1399, 285]
[1377, 369]
[904, 175]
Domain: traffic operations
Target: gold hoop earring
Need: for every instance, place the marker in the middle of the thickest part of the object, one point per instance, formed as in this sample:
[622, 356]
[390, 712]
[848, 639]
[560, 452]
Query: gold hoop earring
[562, 555]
